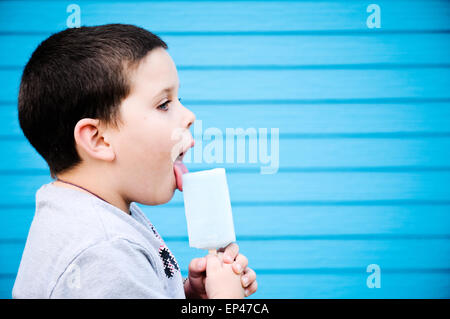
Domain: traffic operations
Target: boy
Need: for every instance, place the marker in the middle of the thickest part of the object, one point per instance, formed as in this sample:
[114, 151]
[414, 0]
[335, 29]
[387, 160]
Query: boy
[100, 105]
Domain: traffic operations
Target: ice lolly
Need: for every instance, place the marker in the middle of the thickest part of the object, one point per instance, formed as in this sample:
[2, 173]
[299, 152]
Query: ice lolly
[208, 209]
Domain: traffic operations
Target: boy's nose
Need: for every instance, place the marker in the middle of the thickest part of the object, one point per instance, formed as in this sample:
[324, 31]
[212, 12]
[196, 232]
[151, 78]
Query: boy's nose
[191, 119]
[190, 116]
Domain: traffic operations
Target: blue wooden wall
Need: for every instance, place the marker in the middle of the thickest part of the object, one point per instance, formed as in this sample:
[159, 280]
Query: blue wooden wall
[364, 122]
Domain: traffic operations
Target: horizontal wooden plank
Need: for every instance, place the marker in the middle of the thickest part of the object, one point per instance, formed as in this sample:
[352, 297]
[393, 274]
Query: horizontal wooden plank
[332, 254]
[286, 222]
[339, 186]
[289, 187]
[352, 285]
[322, 118]
[301, 154]
[314, 84]
[312, 221]
[246, 51]
[282, 256]
[397, 285]
[49, 16]
[293, 84]
[308, 50]
[302, 119]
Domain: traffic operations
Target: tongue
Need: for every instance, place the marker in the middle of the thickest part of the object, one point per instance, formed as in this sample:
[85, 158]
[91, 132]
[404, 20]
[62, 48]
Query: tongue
[179, 169]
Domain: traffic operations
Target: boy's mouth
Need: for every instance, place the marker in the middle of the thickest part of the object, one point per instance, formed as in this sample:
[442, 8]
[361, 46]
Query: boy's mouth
[179, 168]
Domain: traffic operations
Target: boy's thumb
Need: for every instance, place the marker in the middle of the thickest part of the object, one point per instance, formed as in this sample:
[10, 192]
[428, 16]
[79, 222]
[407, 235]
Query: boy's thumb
[201, 264]
[197, 267]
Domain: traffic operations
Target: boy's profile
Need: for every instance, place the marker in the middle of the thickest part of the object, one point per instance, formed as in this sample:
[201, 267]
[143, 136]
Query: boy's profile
[100, 105]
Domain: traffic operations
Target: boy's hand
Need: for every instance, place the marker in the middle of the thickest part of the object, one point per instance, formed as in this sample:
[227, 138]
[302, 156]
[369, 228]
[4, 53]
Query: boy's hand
[195, 285]
[221, 281]
[239, 265]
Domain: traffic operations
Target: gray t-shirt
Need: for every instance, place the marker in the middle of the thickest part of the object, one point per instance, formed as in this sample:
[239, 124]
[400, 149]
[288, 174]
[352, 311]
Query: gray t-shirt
[79, 246]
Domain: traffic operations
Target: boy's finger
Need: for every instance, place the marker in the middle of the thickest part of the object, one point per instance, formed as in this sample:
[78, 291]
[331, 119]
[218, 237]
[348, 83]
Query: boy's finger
[240, 264]
[248, 278]
[252, 289]
[230, 253]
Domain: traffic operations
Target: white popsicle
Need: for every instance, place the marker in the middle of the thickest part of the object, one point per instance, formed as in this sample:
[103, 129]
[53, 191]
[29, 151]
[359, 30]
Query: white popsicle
[208, 209]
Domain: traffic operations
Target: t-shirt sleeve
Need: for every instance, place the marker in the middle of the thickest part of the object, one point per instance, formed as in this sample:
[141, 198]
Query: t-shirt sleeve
[115, 268]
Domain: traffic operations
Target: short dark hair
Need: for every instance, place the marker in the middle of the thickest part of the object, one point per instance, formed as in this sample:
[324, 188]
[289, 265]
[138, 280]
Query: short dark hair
[78, 73]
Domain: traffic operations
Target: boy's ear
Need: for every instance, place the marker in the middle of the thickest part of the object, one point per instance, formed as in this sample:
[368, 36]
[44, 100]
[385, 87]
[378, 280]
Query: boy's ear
[90, 140]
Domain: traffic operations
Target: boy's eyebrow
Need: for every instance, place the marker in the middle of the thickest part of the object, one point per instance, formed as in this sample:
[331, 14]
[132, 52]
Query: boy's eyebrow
[168, 89]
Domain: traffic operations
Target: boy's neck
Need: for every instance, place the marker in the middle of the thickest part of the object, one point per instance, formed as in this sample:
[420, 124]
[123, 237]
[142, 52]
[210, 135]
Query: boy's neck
[98, 190]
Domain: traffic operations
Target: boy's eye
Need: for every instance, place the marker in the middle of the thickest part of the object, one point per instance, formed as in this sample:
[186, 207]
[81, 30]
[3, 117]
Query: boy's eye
[164, 106]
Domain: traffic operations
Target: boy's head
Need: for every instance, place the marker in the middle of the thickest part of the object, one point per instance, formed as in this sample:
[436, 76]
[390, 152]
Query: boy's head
[102, 103]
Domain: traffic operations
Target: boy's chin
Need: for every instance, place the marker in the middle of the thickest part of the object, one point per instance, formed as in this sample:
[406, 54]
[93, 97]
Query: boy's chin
[161, 198]
[167, 199]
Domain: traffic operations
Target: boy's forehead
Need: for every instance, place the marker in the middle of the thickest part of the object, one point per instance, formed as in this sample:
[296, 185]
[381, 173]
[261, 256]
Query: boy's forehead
[156, 73]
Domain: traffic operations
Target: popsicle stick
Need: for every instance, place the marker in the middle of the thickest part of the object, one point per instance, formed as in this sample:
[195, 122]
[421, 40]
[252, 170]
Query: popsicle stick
[213, 251]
